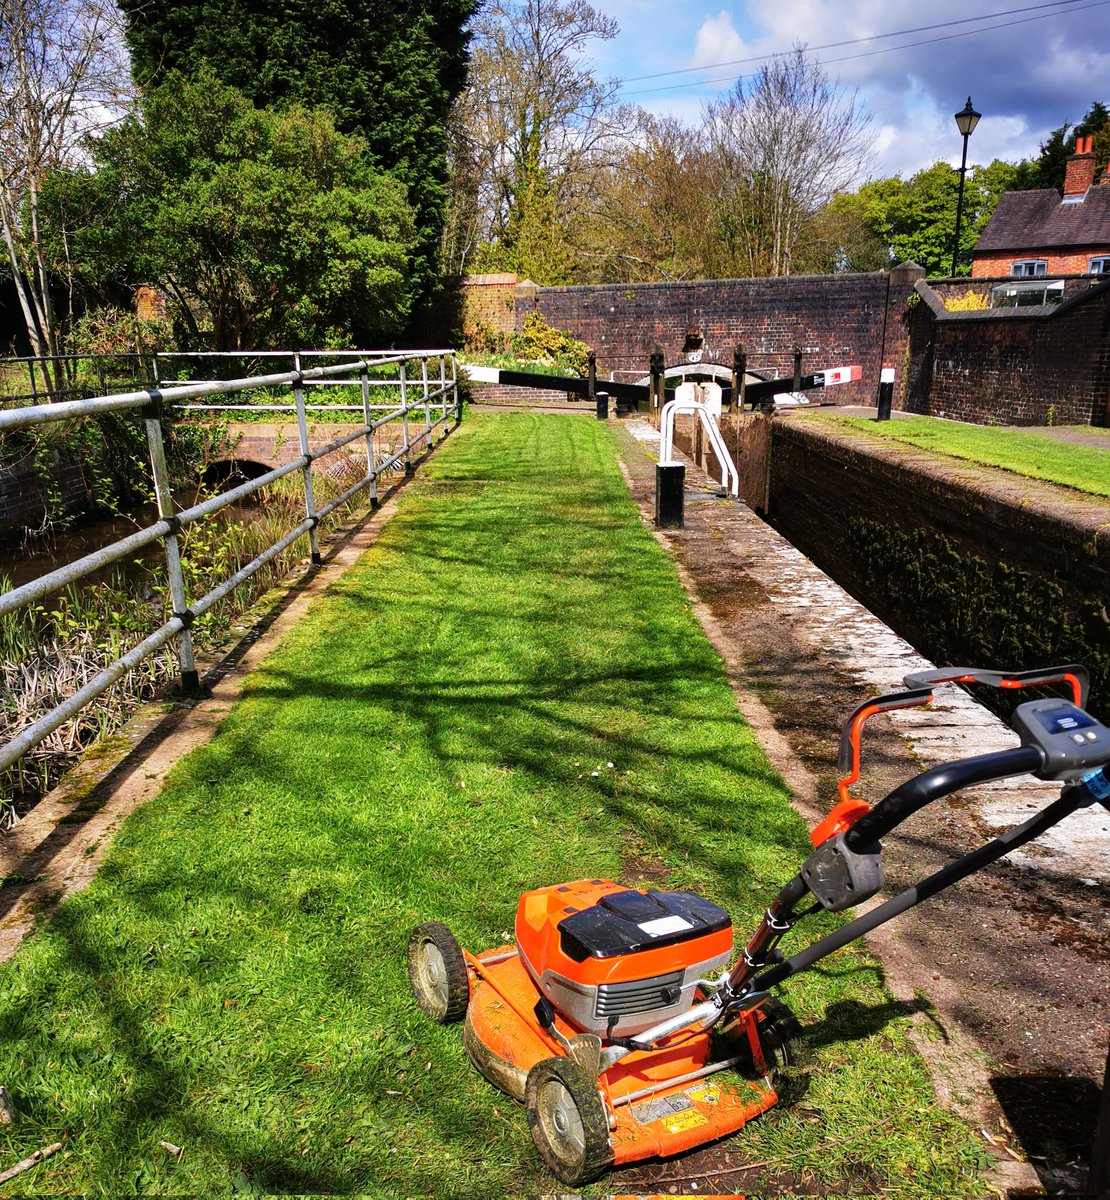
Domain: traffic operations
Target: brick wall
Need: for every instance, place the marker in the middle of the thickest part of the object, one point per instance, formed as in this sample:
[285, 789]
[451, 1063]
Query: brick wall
[27, 494]
[962, 565]
[487, 308]
[1012, 366]
[836, 319]
[524, 397]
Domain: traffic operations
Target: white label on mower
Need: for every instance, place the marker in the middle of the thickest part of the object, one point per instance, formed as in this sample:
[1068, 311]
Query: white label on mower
[661, 1108]
[664, 925]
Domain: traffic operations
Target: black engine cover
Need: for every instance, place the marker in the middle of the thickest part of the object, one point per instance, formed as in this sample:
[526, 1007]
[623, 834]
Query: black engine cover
[626, 922]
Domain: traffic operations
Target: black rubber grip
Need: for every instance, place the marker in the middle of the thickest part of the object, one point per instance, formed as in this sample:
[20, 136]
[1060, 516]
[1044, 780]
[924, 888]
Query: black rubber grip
[923, 789]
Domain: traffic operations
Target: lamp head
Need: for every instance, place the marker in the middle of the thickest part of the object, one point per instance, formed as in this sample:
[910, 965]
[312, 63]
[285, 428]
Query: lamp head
[967, 118]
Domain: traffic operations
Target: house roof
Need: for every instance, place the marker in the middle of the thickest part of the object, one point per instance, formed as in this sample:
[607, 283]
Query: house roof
[1042, 219]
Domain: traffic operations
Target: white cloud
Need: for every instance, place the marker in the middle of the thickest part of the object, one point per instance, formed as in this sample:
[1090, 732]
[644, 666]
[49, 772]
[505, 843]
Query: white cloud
[717, 42]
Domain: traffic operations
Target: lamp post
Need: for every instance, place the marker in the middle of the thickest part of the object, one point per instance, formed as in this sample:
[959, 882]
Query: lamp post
[966, 120]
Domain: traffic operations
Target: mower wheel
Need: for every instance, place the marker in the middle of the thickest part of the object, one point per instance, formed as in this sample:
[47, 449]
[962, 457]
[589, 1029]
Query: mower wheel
[567, 1120]
[785, 1049]
[437, 973]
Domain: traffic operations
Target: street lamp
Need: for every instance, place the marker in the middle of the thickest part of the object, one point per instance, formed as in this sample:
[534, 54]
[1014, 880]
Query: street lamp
[966, 120]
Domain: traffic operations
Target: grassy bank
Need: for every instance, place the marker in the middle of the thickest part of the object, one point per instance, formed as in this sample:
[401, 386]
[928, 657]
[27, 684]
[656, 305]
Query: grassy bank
[510, 689]
[1024, 451]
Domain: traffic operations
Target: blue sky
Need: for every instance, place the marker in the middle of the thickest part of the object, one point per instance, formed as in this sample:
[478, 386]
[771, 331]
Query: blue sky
[1028, 66]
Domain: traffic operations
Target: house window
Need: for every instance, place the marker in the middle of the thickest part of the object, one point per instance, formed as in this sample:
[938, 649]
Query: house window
[1100, 265]
[1027, 267]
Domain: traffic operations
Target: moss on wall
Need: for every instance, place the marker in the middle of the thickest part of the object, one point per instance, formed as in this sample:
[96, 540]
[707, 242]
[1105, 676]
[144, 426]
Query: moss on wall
[958, 608]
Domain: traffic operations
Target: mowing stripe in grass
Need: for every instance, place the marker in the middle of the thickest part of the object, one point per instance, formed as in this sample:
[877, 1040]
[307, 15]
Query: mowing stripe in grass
[510, 689]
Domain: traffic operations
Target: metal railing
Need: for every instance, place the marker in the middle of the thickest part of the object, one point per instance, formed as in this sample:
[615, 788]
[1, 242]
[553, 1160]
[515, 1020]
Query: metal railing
[424, 394]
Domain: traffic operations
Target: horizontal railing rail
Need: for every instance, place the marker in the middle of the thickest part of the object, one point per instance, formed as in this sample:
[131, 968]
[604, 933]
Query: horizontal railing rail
[434, 397]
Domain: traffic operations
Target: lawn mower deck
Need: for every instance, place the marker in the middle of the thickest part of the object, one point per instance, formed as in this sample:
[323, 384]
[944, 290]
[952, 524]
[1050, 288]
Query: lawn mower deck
[662, 1101]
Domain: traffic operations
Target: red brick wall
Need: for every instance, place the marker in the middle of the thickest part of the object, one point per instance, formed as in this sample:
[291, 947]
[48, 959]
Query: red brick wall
[964, 570]
[487, 308]
[836, 319]
[1012, 366]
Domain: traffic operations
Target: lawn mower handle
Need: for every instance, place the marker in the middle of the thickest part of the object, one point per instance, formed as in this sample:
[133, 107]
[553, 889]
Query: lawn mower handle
[923, 789]
[1075, 796]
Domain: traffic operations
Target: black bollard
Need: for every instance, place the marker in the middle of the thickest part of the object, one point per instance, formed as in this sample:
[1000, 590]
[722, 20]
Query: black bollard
[603, 406]
[886, 393]
[670, 484]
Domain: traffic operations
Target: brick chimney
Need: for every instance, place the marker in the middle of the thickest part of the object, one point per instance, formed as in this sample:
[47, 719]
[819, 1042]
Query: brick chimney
[1080, 172]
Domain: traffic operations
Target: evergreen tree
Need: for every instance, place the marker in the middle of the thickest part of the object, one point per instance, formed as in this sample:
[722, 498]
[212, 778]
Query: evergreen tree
[1049, 168]
[388, 71]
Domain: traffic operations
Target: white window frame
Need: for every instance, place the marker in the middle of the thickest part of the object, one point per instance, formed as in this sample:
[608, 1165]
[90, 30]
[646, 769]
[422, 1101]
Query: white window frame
[1019, 268]
[1099, 265]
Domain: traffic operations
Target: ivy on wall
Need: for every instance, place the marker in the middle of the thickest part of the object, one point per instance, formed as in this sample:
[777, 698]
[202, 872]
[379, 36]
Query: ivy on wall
[958, 608]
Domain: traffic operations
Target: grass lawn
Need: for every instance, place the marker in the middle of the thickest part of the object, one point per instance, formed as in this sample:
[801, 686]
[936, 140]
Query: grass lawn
[1023, 451]
[509, 690]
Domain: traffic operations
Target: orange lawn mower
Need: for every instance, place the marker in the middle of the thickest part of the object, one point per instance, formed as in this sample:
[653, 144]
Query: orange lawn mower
[612, 1016]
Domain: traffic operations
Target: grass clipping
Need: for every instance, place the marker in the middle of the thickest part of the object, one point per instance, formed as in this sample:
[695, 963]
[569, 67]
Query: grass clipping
[509, 690]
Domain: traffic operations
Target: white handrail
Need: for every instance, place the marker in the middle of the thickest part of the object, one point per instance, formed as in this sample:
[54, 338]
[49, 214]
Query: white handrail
[730, 479]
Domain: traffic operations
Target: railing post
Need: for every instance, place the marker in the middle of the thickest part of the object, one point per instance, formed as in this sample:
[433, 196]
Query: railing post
[797, 385]
[371, 470]
[190, 679]
[443, 394]
[309, 497]
[591, 377]
[405, 418]
[455, 390]
[427, 403]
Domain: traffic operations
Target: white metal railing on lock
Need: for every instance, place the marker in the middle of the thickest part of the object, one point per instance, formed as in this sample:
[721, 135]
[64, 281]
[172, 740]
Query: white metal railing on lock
[424, 393]
[704, 402]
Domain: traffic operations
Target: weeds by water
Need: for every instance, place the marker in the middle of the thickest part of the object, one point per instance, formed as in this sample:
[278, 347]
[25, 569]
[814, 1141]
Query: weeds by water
[53, 649]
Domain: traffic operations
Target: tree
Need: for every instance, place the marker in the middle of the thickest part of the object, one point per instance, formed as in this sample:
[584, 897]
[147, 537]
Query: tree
[782, 145]
[1049, 168]
[891, 220]
[653, 216]
[388, 71]
[852, 232]
[264, 228]
[532, 128]
[62, 76]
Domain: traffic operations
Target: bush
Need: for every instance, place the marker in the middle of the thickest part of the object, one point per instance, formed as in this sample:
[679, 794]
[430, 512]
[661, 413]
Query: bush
[540, 342]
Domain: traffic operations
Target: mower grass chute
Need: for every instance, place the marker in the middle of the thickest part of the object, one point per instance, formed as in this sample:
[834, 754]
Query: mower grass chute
[613, 1016]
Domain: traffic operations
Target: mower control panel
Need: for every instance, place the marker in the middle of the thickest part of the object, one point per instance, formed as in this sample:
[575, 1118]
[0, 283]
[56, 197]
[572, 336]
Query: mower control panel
[1072, 741]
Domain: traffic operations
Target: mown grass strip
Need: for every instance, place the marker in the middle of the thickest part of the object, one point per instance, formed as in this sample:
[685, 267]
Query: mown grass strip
[509, 690]
[1023, 451]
